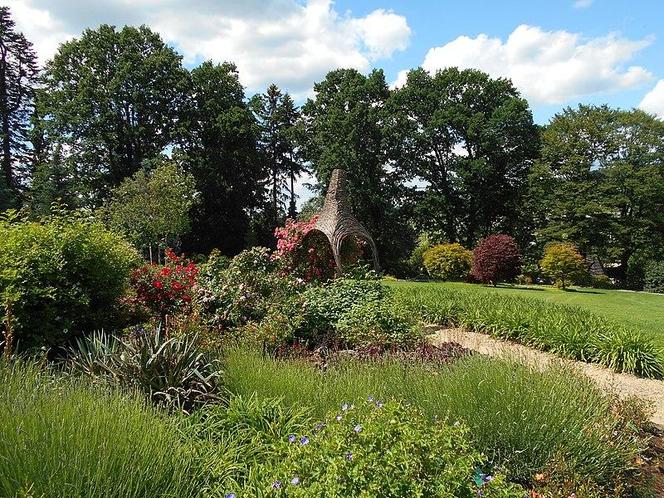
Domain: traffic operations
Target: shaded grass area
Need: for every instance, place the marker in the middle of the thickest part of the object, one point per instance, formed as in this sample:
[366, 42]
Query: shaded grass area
[642, 311]
[61, 436]
[523, 420]
[568, 331]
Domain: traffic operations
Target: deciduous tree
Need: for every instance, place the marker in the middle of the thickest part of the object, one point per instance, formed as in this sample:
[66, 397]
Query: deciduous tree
[219, 146]
[112, 99]
[469, 140]
[600, 183]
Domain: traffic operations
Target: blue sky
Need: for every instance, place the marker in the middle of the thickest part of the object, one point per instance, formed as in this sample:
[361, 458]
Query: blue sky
[434, 23]
[558, 53]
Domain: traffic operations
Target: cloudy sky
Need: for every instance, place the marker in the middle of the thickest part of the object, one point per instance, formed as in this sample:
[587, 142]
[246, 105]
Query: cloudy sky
[557, 52]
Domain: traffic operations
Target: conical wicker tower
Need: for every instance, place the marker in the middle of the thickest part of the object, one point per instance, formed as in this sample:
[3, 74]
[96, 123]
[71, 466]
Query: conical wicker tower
[337, 222]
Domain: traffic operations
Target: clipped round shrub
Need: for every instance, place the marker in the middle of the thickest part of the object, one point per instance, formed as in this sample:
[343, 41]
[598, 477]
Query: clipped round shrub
[383, 449]
[563, 262]
[654, 277]
[496, 259]
[60, 276]
[601, 282]
[448, 261]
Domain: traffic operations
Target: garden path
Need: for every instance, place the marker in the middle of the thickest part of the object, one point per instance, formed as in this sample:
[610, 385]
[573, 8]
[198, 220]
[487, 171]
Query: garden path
[621, 383]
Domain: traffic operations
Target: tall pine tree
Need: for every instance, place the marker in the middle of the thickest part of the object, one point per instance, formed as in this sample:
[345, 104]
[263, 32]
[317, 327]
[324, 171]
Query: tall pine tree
[18, 79]
[277, 117]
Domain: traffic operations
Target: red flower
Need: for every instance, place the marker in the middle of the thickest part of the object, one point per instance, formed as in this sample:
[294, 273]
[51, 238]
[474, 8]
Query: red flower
[158, 284]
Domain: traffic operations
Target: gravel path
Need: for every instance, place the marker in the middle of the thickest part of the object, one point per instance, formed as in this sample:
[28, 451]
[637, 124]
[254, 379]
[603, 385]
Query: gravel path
[623, 384]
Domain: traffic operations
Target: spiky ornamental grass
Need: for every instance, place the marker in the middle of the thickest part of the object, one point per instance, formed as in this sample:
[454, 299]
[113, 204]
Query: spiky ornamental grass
[567, 331]
[61, 436]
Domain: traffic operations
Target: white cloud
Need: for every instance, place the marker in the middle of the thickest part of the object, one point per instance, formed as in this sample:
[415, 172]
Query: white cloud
[582, 4]
[383, 32]
[549, 67]
[289, 42]
[653, 102]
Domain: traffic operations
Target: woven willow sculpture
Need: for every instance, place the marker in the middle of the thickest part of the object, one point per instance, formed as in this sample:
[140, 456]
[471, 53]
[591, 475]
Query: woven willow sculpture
[337, 223]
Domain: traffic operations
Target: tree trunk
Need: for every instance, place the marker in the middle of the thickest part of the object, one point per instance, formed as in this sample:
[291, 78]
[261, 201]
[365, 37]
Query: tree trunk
[291, 208]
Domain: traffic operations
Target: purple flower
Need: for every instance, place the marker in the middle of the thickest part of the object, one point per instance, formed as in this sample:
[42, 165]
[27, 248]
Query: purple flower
[276, 485]
[339, 417]
[292, 438]
[295, 481]
[349, 455]
[230, 495]
[304, 440]
[357, 428]
[319, 426]
[487, 478]
[370, 399]
[379, 404]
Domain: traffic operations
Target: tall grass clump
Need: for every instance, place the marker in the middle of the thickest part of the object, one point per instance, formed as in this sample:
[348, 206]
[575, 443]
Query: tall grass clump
[554, 422]
[61, 436]
[567, 331]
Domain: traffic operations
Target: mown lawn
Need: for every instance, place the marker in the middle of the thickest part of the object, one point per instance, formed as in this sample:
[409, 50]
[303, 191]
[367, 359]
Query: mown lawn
[639, 310]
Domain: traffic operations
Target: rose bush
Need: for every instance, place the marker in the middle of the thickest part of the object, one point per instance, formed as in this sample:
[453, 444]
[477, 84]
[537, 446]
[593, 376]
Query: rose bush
[312, 261]
[165, 290]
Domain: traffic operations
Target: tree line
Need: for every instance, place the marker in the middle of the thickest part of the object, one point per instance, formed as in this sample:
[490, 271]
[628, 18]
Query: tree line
[454, 155]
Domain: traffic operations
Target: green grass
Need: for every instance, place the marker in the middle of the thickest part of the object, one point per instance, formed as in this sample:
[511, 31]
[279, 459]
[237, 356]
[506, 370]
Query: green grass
[522, 419]
[569, 331]
[64, 437]
[642, 311]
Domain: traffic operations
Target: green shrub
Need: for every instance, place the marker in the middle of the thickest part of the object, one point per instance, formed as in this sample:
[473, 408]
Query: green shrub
[567, 331]
[416, 260]
[601, 282]
[381, 324]
[563, 263]
[522, 418]
[345, 312]
[244, 291]
[654, 277]
[448, 261]
[382, 449]
[169, 371]
[63, 437]
[59, 277]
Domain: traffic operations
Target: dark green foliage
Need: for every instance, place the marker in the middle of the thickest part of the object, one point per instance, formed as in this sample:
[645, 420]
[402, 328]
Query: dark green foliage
[18, 81]
[600, 183]
[564, 330]
[601, 282]
[277, 118]
[61, 276]
[170, 371]
[654, 277]
[219, 146]
[113, 97]
[471, 193]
